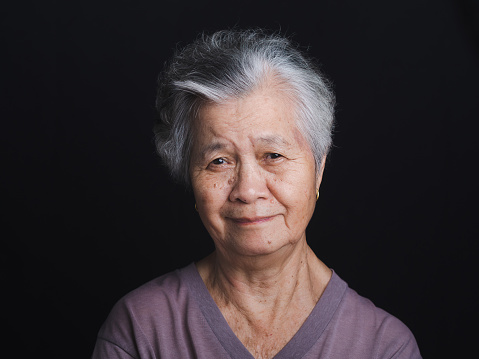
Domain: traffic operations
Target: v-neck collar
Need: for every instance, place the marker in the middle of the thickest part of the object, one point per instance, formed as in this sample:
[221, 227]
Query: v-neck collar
[307, 335]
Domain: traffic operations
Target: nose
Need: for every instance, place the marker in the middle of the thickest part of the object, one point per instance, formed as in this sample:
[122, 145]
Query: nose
[249, 184]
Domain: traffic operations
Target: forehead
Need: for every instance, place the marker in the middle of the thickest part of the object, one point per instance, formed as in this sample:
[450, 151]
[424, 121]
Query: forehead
[266, 115]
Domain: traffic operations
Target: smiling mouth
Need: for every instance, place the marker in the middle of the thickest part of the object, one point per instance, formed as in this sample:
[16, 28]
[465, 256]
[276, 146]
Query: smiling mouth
[247, 221]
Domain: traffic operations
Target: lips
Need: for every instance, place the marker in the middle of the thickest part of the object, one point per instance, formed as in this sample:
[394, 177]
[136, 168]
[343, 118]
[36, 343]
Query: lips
[252, 220]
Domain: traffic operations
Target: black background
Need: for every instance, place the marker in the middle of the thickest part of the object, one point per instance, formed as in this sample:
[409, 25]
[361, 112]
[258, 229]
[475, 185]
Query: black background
[90, 213]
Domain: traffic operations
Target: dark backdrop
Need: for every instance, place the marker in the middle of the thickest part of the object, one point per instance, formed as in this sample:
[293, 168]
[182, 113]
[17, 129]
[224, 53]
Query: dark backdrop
[90, 214]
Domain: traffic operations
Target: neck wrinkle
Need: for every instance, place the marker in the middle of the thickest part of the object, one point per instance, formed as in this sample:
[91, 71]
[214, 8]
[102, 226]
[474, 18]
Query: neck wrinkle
[266, 291]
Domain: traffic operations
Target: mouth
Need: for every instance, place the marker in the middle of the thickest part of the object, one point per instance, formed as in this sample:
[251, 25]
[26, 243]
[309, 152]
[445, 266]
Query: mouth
[248, 221]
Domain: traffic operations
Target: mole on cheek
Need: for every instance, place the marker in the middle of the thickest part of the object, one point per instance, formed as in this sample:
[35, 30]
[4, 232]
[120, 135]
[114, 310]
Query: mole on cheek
[231, 181]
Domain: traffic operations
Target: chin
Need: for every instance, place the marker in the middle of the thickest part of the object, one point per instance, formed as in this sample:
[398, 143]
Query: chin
[258, 245]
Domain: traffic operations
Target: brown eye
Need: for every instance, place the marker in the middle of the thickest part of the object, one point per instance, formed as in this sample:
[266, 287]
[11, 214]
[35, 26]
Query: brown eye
[274, 156]
[218, 161]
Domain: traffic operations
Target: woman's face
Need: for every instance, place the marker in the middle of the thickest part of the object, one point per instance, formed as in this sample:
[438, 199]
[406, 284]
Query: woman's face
[253, 174]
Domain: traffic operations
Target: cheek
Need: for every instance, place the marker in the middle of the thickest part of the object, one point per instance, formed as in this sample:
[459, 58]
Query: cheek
[211, 191]
[299, 183]
[296, 193]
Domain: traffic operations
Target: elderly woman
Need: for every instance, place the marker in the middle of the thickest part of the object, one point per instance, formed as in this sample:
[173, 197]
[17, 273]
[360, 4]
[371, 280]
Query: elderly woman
[246, 120]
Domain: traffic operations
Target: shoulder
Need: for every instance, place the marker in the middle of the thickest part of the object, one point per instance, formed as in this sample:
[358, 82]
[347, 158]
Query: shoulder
[163, 291]
[359, 309]
[373, 329]
[134, 319]
[156, 295]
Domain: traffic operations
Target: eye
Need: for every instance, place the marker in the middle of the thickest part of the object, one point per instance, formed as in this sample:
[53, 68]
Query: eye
[219, 164]
[273, 156]
[218, 161]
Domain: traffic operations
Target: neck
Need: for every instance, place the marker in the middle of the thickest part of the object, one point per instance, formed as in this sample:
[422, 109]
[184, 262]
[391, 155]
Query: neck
[270, 284]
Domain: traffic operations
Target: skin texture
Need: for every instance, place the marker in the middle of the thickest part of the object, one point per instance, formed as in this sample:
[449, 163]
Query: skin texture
[255, 183]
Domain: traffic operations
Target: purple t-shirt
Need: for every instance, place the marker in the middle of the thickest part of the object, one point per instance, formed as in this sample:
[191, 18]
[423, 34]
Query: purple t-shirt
[174, 316]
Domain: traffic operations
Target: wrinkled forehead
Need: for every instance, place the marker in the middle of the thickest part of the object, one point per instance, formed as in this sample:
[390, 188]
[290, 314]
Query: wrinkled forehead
[268, 113]
[264, 120]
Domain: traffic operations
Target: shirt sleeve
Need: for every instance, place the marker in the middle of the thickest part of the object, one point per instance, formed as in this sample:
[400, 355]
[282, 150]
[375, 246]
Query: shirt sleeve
[409, 350]
[396, 341]
[105, 349]
[121, 335]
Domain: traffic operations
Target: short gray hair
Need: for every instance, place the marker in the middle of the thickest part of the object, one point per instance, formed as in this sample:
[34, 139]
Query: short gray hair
[229, 64]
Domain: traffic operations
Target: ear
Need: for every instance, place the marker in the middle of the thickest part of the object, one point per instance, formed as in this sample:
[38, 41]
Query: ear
[319, 174]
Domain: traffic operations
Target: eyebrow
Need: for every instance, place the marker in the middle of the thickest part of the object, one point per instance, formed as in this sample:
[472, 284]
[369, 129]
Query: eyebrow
[273, 140]
[211, 147]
